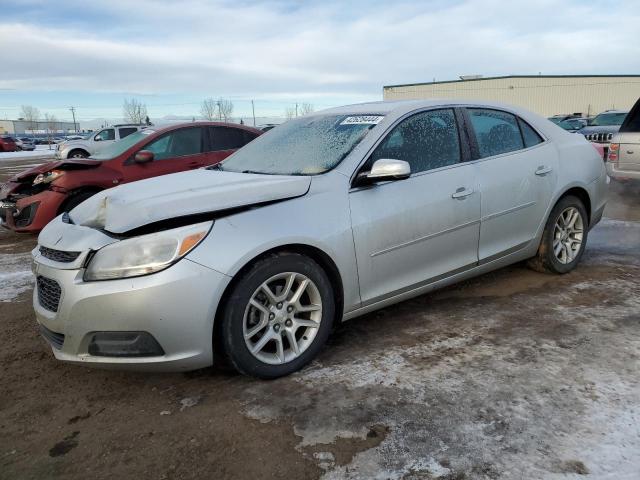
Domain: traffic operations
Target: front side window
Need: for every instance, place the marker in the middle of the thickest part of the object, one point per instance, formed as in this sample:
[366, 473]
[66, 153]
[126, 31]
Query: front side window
[107, 134]
[496, 131]
[426, 140]
[308, 145]
[179, 143]
[126, 131]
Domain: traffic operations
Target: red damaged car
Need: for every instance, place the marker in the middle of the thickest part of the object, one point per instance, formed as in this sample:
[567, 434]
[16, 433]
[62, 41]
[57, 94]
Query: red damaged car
[29, 200]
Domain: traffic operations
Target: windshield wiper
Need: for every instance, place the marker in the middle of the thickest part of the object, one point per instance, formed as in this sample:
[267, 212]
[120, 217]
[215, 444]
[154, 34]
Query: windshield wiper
[217, 166]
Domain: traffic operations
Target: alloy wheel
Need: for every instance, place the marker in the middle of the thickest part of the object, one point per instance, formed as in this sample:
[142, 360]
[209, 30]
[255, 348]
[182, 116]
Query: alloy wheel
[568, 234]
[282, 318]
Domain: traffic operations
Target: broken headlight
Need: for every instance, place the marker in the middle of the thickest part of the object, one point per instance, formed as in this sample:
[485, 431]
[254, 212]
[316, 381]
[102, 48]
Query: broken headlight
[145, 254]
[48, 177]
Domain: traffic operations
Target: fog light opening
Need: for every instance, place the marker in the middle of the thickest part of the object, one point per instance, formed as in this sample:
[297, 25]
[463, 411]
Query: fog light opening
[124, 344]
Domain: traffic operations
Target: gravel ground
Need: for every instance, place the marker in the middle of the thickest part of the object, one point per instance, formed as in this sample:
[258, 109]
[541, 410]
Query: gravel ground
[513, 375]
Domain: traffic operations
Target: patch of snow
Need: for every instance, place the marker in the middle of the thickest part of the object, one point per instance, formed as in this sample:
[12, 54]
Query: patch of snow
[38, 153]
[15, 275]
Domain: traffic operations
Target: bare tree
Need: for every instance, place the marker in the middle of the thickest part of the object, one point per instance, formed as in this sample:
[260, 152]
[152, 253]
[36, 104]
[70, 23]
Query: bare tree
[208, 109]
[134, 111]
[30, 114]
[225, 109]
[51, 125]
[306, 109]
[289, 112]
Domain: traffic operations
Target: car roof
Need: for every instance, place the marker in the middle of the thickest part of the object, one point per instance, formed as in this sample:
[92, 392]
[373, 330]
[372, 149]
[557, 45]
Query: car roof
[614, 111]
[400, 107]
[175, 126]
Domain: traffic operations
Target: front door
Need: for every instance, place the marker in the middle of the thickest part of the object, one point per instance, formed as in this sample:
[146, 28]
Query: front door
[410, 232]
[175, 151]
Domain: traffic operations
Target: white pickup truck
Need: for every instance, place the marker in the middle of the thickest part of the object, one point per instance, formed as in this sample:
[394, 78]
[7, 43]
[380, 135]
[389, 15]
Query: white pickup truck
[95, 142]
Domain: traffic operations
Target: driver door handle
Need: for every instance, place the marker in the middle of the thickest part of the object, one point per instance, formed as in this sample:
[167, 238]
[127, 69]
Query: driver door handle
[543, 170]
[462, 192]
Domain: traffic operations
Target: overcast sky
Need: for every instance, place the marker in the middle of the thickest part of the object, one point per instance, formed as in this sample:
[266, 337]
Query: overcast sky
[171, 54]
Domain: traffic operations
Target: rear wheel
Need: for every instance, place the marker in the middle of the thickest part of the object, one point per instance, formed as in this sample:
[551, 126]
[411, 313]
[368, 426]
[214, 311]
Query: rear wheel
[564, 238]
[278, 316]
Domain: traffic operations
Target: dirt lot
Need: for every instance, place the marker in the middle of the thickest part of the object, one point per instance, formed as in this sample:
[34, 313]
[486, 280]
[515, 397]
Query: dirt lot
[513, 375]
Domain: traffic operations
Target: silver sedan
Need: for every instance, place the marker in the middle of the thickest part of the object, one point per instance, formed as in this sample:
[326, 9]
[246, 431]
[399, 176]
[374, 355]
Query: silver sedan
[320, 220]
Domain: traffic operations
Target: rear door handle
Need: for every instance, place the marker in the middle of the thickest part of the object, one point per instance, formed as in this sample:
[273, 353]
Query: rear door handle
[462, 192]
[543, 170]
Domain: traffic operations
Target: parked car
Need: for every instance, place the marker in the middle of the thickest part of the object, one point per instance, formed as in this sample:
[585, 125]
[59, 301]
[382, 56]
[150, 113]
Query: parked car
[327, 217]
[26, 144]
[34, 197]
[92, 144]
[7, 144]
[603, 126]
[623, 160]
[572, 124]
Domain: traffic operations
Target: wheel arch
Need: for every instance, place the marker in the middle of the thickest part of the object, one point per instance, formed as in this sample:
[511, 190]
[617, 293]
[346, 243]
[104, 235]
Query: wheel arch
[580, 193]
[73, 149]
[89, 189]
[316, 254]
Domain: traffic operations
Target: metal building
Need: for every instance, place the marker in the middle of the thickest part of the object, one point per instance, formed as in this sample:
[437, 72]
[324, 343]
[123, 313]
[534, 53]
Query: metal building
[544, 94]
[22, 127]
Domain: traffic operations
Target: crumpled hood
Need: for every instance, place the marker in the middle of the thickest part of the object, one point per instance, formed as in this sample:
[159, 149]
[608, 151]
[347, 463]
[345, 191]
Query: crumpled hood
[133, 205]
[46, 167]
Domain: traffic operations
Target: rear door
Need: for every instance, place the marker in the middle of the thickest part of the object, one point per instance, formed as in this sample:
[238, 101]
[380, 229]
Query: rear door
[411, 232]
[175, 151]
[223, 141]
[517, 173]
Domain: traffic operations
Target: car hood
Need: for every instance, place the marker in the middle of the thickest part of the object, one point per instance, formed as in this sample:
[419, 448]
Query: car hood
[47, 167]
[602, 129]
[127, 207]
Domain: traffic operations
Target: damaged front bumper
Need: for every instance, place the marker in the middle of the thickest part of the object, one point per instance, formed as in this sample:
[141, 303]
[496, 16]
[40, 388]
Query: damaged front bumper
[28, 213]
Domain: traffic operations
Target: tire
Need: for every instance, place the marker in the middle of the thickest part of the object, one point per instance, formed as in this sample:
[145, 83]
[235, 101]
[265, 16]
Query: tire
[555, 237]
[78, 154]
[277, 356]
[74, 200]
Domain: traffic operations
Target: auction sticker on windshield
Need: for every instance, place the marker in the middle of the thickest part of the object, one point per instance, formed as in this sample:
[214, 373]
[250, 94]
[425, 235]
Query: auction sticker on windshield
[362, 120]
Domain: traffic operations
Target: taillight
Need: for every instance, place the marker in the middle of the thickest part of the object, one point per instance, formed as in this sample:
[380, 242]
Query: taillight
[614, 149]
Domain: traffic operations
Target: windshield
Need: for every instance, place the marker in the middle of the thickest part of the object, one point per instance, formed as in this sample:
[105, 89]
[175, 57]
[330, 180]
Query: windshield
[303, 146]
[555, 120]
[606, 119]
[119, 147]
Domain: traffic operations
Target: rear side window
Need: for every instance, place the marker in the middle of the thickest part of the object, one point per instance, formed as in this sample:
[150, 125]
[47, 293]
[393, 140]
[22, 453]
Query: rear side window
[632, 121]
[529, 135]
[126, 131]
[227, 138]
[426, 140]
[496, 131]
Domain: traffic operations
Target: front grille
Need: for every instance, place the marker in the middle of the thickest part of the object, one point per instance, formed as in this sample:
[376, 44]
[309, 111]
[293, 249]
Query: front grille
[58, 255]
[599, 137]
[55, 339]
[48, 293]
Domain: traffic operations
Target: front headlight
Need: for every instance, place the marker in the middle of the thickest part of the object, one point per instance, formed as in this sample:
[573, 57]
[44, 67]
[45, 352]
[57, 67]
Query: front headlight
[48, 177]
[145, 254]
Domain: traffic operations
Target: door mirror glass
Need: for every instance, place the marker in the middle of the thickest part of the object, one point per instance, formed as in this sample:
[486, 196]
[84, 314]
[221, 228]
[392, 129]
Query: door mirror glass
[143, 156]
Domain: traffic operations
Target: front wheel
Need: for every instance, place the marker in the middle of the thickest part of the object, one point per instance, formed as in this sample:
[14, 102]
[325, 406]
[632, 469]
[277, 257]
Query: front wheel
[278, 316]
[564, 238]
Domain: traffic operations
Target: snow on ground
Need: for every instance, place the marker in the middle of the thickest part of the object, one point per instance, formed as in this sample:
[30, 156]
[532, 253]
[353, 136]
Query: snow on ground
[41, 151]
[15, 273]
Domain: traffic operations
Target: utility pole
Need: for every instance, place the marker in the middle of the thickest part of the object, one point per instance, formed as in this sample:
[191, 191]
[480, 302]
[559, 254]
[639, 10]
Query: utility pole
[296, 109]
[73, 112]
[253, 109]
[219, 110]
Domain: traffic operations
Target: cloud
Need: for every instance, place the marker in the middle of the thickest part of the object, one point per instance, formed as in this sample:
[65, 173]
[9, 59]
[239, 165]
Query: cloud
[285, 49]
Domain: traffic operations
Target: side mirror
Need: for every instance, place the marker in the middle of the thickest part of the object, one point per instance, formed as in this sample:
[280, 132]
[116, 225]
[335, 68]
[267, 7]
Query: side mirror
[385, 169]
[143, 156]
